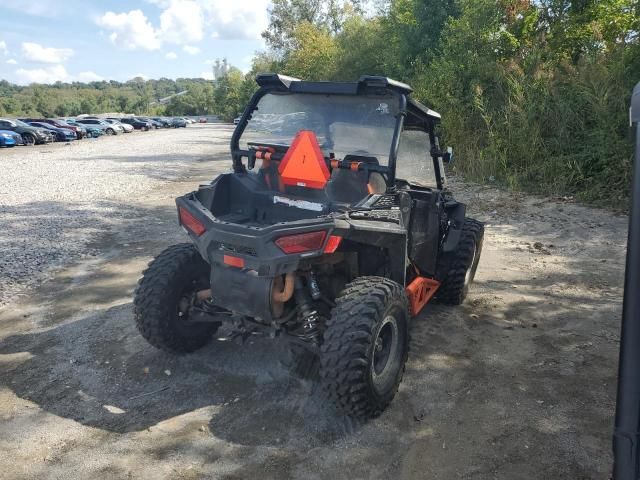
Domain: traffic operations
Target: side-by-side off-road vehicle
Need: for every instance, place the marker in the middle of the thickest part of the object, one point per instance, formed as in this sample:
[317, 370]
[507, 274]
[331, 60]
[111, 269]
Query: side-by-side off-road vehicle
[334, 230]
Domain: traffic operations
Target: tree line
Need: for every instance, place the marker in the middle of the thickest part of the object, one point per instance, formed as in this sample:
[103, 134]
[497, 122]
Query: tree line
[533, 94]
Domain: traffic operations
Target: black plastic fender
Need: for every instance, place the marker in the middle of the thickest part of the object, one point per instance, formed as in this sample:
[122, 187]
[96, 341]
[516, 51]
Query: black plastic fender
[456, 212]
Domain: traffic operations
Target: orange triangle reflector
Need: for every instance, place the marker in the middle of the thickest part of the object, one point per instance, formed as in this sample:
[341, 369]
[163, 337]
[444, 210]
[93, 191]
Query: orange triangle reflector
[303, 165]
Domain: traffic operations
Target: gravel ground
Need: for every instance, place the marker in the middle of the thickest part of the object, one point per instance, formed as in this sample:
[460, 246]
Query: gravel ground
[55, 198]
[517, 383]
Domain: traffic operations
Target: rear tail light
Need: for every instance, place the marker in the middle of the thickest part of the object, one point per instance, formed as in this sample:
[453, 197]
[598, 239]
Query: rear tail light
[301, 242]
[332, 244]
[190, 222]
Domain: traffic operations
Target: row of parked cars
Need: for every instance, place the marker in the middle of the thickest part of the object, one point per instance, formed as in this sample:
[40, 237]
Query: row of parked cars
[36, 131]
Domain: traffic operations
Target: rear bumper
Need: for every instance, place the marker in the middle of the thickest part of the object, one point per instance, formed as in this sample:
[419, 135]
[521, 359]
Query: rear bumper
[253, 245]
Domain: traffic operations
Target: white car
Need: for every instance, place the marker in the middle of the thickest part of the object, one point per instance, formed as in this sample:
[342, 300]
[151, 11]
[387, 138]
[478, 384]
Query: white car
[125, 127]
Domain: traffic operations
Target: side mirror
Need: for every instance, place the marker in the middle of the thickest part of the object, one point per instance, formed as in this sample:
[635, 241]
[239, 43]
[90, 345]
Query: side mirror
[447, 157]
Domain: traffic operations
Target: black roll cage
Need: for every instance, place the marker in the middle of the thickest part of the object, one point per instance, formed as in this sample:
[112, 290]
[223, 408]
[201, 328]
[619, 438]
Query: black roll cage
[411, 114]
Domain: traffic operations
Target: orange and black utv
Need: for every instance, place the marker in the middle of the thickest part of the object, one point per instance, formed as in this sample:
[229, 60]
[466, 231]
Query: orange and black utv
[334, 230]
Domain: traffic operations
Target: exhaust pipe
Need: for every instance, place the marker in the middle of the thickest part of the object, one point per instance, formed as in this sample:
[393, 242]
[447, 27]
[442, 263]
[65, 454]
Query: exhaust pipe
[286, 290]
[203, 295]
[281, 292]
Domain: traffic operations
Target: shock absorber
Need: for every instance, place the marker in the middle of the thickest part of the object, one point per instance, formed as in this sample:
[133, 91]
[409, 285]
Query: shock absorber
[308, 314]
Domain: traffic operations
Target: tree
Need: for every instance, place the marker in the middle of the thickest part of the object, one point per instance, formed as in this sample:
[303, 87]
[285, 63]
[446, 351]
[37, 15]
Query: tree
[286, 15]
[314, 54]
[229, 97]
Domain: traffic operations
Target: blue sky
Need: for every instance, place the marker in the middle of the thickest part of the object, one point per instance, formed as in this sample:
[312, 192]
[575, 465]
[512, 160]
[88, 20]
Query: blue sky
[83, 40]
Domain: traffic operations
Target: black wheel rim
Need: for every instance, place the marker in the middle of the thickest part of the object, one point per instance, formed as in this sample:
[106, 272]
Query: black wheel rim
[385, 360]
[28, 140]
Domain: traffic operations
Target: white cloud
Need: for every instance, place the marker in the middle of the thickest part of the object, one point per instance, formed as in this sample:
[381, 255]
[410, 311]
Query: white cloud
[186, 22]
[182, 22]
[89, 77]
[34, 52]
[52, 74]
[3, 47]
[131, 30]
[12, 61]
[191, 50]
[171, 56]
[140, 75]
[244, 19]
[206, 75]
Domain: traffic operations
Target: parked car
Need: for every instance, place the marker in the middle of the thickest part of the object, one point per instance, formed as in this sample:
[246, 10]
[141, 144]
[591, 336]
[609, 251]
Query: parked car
[178, 122]
[126, 128]
[30, 135]
[155, 124]
[166, 122]
[188, 120]
[78, 131]
[62, 134]
[202, 120]
[236, 120]
[98, 123]
[89, 131]
[9, 138]
[120, 127]
[136, 123]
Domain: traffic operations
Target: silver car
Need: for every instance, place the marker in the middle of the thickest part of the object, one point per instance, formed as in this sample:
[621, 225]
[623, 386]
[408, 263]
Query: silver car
[107, 128]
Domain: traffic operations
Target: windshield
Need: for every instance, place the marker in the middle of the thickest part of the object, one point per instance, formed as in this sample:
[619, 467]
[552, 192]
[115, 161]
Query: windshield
[21, 123]
[344, 125]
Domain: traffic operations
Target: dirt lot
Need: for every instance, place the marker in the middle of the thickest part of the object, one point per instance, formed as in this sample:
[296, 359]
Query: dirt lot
[519, 383]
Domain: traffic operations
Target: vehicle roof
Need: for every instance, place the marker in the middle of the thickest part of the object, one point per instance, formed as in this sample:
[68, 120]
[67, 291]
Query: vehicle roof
[365, 84]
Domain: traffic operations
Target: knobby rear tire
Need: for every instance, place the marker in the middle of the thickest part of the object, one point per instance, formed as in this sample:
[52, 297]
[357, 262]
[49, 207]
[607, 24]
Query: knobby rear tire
[353, 339]
[177, 271]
